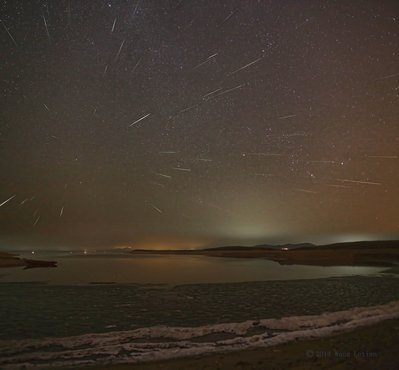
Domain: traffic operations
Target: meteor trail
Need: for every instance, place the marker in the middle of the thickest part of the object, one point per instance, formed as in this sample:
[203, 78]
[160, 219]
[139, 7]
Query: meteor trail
[321, 161]
[338, 186]
[113, 26]
[119, 51]
[45, 25]
[37, 220]
[166, 176]
[246, 66]
[228, 17]
[181, 169]
[262, 154]
[296, 134]
[135, 9]
[187, 109]
[211, 93]
[289, 116]
[136, 65]
[155, 208]
[205, 61]
[203, 159]
[305, 191]
[140, 119]
[167, 152]
[360, 182]
[383, 156]
[7, 200]
[23, 202]
[9, 34]
[263, 174]
[229, 90]
[386, 77]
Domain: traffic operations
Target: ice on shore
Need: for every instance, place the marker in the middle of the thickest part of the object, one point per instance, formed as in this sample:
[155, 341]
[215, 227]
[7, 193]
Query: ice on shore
[164, 342]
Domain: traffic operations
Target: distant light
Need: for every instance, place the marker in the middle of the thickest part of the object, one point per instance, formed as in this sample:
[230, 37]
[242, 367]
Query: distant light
[284, 249]
[85, 251]
[33, 252]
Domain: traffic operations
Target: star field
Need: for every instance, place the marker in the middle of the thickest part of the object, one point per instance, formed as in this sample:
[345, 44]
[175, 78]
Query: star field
[197, 122]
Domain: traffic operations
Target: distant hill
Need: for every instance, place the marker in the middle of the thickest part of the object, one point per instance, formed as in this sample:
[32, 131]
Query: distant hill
[299, 246]
[378, 244]
[289, 246]
[359, 245]
[238, 248]
[363, 253]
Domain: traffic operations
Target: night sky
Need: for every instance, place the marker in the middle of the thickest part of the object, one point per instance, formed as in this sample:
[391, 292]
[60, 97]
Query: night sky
[190, 123]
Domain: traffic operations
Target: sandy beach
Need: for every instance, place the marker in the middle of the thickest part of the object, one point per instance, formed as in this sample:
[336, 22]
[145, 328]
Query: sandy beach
[367, 348]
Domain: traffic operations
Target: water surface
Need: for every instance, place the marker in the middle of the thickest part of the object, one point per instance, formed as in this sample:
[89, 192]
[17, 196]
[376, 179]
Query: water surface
[170, 269]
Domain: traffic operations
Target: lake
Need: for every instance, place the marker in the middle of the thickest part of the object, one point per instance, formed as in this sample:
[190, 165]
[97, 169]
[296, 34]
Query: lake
[169, 269]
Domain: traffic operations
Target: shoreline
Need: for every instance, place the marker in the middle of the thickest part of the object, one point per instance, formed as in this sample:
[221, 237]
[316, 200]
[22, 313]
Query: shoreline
[369, 347]
[316, 256]
[342, 307]
[151, 348]
[187, 305]
[8, 260]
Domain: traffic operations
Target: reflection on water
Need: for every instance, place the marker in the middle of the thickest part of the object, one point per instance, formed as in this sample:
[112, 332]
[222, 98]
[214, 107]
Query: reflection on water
[172, 270]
